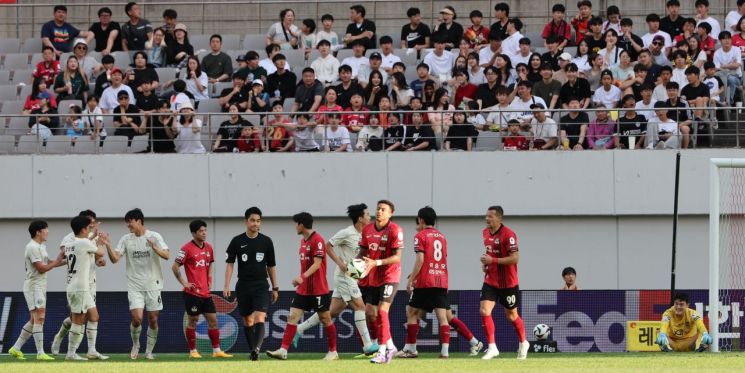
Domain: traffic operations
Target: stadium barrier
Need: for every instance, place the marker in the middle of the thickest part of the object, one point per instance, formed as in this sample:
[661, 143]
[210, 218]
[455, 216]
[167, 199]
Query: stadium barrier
[580, 321]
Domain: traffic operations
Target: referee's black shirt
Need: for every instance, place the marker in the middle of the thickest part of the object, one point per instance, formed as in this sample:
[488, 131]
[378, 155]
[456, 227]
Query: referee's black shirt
[254, 255]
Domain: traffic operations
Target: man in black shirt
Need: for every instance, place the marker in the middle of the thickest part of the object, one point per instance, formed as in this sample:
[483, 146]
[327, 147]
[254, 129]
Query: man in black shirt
[415, 34]
[596, 38]
[486, 93]
[237, 94]
[678, 110]
[281, 83]
[573, 126]
[360, 28]
[419, 136]
[106, 33]
[448, 30]
[255, 254]
[631, 125]
[697, 95]
[502, 14]
[629, 41]
[347, 87]
[673, 22]
[575, 87]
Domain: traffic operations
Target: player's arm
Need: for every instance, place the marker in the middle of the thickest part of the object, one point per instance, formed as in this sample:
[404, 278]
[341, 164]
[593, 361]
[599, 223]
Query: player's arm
[228, 275]
[161, 251]
[115, 255]
[44, 268]
[513, 258]
[176, 269]
[272, 271]
[419, 261]
[309, 272]
[334, 257]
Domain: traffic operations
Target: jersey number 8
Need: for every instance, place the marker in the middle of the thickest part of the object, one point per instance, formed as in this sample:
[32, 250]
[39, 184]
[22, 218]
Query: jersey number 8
[438, 250]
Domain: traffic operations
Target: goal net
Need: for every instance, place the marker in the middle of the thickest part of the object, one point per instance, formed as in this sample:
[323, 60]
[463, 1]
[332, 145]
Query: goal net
[727, 253]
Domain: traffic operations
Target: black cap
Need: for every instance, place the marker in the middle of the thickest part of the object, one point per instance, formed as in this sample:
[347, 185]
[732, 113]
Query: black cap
[376, 55]
[537, 105]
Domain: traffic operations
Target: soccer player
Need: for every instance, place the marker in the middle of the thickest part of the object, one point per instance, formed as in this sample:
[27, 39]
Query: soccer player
[35, 289]
[91, 327]
[197, 257]
[255, 254]
[81, 256]
[346, 241]
[312, 288]
[381, 245]
[499, 264]
[685, 327]
[143, 249]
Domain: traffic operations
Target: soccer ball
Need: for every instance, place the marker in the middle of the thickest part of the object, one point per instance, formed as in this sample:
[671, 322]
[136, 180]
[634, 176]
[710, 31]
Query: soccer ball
[541, 332]
[356, 269]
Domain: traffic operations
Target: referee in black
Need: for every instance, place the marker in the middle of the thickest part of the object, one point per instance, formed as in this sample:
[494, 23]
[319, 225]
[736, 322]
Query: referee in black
[255, 255]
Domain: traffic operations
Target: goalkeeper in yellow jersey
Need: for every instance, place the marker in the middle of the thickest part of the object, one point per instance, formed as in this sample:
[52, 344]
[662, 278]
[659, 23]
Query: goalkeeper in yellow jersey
[682, 328]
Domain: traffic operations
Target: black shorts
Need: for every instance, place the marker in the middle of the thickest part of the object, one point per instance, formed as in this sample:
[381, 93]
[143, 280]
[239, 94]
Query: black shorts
[509, 298]
[317, 303]
[197, 305]
[376, 294]
[429, 298]
[252, 297]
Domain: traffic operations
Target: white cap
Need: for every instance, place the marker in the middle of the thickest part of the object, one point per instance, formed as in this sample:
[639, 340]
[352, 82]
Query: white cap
[186, 105]
[258, 81]
[565, 56]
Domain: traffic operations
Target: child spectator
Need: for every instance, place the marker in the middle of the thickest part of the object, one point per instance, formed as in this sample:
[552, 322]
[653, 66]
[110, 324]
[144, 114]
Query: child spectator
[581, 22]
[702, 16]
[179, 96]
[558, 26]
[48, 68]
[707, 43]
[74, 124]
[249, 141]
[715, 84]
[601, 132]
[308, 36]
[514, 140]
[279, 138]
[327, 20]
[370, 137]
[476, 34]
[92, 115]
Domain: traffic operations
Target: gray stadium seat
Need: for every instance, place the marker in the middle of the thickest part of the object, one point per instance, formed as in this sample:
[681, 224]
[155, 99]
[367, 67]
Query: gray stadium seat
[63, 107]
[254, 119]
[535, 38]
[139, 144]
[217, 88]
[410, 73]
[115, 144]
[16, 61]
[12, 107]
[344, 53]
[4, 76]
[28, 144]
[25, 90]
[36, 58]
[200, 42]
[121, 60]
[287, 104]
[8, 93]
[18, 126]
[32, 45]
[296, 58]
[84, 145]
[234, 55]
[58, 144]
[488, 141]
[408, 59]
[9, 45]
[209, 106]
[255, 42]
[214, 122]
[231, 41]
[166, 73]
[23, 76]
[7, 144]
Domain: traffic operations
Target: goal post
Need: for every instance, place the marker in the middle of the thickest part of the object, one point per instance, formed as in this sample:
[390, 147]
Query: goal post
[715, 220]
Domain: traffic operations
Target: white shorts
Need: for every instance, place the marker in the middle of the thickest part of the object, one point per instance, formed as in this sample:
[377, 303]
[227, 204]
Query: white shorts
[80, 301]
[35, 298]
[149, 300]
[346, 288]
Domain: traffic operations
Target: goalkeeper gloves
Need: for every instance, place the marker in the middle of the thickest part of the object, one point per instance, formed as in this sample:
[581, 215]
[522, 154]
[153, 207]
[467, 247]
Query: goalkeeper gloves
[706, 339]
[662, 339]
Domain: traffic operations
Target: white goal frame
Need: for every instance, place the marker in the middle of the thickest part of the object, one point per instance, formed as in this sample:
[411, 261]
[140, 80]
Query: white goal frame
[714, 166]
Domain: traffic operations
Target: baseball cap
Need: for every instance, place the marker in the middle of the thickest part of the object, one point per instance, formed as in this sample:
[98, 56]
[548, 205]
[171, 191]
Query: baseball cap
[447, 11]
[565, 56]
[80, 41]
[44, 95]
[241, 58]
[257, 81]
[658, 38]
[376, 55]
[116, 70]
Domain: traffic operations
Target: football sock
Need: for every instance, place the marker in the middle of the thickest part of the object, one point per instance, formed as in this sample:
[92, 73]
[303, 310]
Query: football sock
[390, 344]
[258, 335]
[214, 335]
[38, 330]
[312, 321]
[26, 332]
[91, 332]
[64, 329]
[152, 337]
[519, 328]
[385, 327]
[461, 328]
[411, 332]
[73, 342]
[372, 328]
[445, 339]
[249, 330]
[191, 339]
[135, 332]
[488, 324]
[361, 323]
[331, 335]
[289, 335]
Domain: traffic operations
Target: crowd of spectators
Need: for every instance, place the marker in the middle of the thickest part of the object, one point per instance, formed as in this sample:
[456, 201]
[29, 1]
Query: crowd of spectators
[652, 86]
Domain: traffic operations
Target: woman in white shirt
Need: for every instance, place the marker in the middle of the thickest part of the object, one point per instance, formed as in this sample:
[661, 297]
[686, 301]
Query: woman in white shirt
[188, 129]
[611, 52]
[698, 57]
[400, 93]
[284, 32]
[475, 71]
[196, 80]
[583, 51]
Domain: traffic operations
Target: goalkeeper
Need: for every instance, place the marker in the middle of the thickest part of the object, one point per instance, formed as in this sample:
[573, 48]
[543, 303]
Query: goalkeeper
[682, 328]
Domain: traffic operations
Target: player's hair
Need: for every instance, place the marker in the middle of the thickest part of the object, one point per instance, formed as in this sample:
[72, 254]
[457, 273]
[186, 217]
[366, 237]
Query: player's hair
[389, 203]
[304, 218]
[354, 212]
[79, 223]
[36, 226]
[253, 210]
[88, 213]
[427, 214]
[134, 214]
[195, 225]
[497, 209]
[682, 297]
[568, 270]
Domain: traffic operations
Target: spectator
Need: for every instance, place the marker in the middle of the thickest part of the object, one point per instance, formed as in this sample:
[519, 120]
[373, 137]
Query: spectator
[235, 95]
[593, 76]
[624, 72]
[217, 64]
[477, 35]
[370, 138]
[137, 32]
[394, 135]
[71, 84]
[356, 118]
[738, 38]
[576, 87]
[249, 141]
[361, 29]
[307, 36]
[253, 71]
[653, 25]
[419, 136]
[375, 89]
[268, 62]
[662, 132]
[564, 60]
[632, 127]
[678, 111]
[607, 95]
[303, 134]
[336, 137]
[522, 104]
[487, 54]
[715, 84]
[657, 52]
[74, 125]
[156, 51]
[474, 116]
[524, 54]
[568, 273]
[502, 16]
[708, 44]
[460, 64]
[32, 100]
[698, 56]
[42, 131]
[514, 140]
[660, 91]
[645, 106]
[329, 105]
[88, 64]
[581, 22]
[689, 29]
[557, 26]
[440, 61]
[358, 58]
[142, 73]
[614, 19]
[729, 62]
[58, 34]
[106, 32]
[147, 102]
[128, 121]
[257, 100]
[446, 29]
[162, 129]
[388, 58]
[415, 34]
[475, 71]
[573, 129]
[374, 65]
[110, 95]
[595, 39]
[460, 135]
[93, 117]
[499, 114]
[544, 129]
[629, 41]
[188, 130]
[463, 89]
[326, 65]
[103, 80]
[428, 95]
[734, 17]
[401, 94]
[611, 53]
[696, 94]
[180, 96]
[679, 68]
[440, 113]
[282, 83]
[179, 49]
[582, 59]
[511, 44]
[547, 88]
[196, 80]
[49, 67]
[44, 114]
[170, 21]
[702, 16]
[672, 23]
[601, 132]
[308, 94]
[275, 132]
[229, 132]
[423, 77]
[284, 32]
[327, 20]
[551, 57]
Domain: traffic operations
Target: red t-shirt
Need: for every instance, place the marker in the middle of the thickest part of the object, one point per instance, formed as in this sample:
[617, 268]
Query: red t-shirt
[434, 273]
[738, 42]
[561, 30]
[310, 249]
[580, 28]
[248, 144]
[381, 244]
[476, 37]
[354, 119]
[500, 245]
[515, 143]
[468, 91]
[709, 46]
[197, 261]
[48, 72]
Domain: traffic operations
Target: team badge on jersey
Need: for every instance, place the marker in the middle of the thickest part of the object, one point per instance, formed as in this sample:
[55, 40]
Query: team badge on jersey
[244, 257]
[259, 257]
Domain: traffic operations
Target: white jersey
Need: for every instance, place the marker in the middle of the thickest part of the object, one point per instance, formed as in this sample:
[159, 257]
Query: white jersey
[35, 252]
[143, 264]
[80, 256]
[346, 245]
[69, 240]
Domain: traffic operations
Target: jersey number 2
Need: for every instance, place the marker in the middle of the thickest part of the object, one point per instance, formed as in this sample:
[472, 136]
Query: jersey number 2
[71, 259]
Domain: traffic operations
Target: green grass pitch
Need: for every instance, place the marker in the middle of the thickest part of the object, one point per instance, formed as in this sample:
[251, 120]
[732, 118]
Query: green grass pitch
[426, 363]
